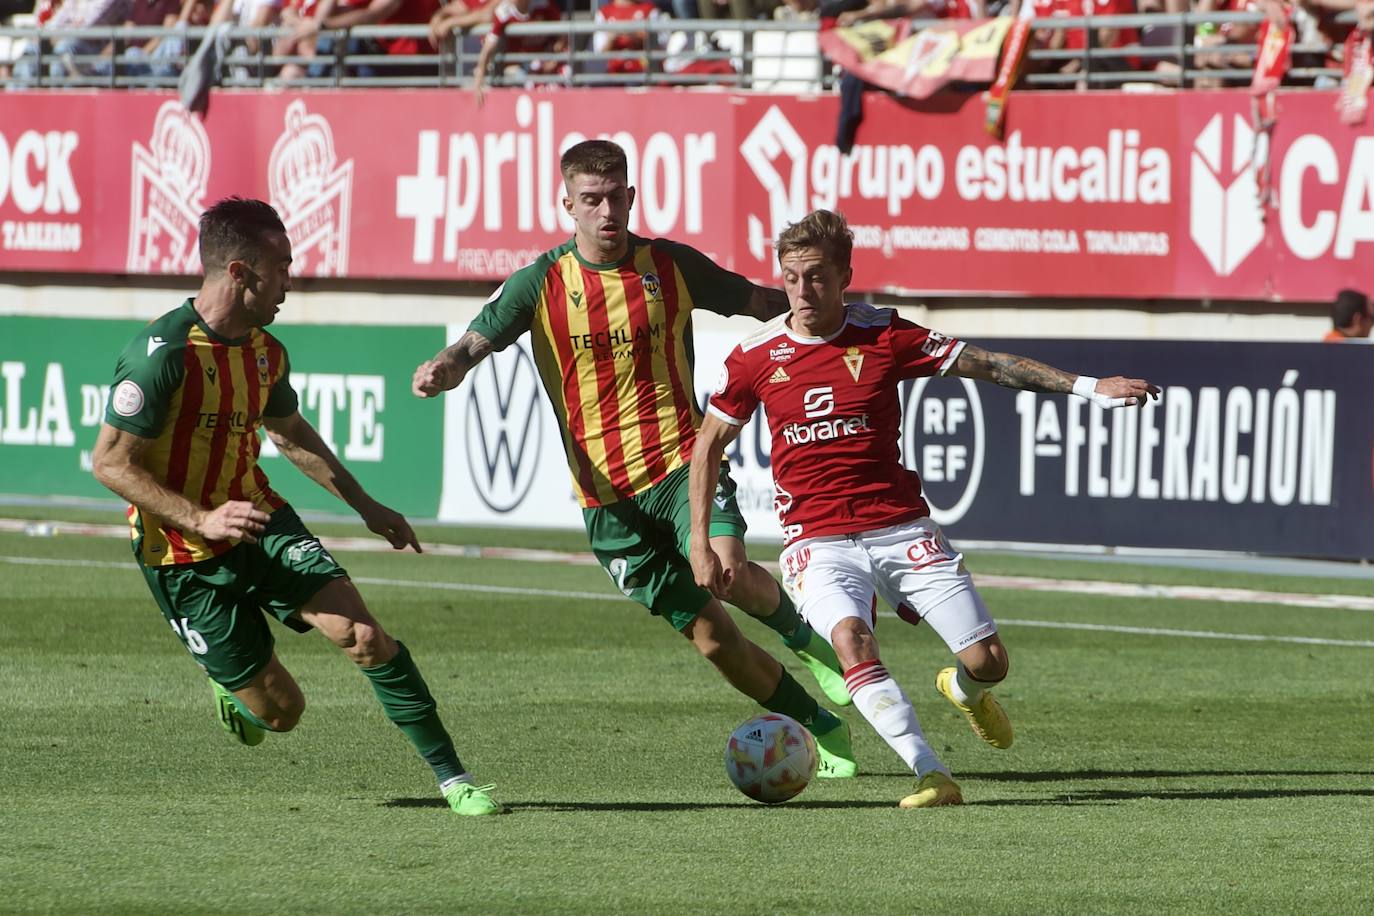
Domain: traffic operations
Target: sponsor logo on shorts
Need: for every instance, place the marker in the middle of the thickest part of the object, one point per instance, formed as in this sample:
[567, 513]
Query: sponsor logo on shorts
[298, 552]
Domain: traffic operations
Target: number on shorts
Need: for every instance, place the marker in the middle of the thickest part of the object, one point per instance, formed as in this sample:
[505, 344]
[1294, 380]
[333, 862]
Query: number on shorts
[617, 569]
[194, 641]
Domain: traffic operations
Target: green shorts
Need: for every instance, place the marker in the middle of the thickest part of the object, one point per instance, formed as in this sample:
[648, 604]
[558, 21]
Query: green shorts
[218, 607]
[643, 543]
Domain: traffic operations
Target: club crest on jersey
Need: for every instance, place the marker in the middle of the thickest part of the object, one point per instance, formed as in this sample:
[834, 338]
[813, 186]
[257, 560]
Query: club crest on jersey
[779, 376]
[853, 361]
[262, 369]
[653, 289]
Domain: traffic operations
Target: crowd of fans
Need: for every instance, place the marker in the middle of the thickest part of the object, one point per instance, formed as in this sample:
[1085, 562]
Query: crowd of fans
[307, 30]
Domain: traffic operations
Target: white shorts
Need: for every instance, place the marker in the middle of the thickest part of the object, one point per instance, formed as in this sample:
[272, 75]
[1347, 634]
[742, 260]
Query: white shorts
[911, 566]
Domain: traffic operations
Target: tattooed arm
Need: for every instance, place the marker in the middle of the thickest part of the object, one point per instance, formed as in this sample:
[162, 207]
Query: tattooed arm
[448, 369]
[1026, 374]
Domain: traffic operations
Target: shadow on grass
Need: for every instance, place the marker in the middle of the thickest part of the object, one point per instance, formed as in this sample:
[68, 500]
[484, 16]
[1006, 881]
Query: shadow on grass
[1059, 775]
[1080, 798]
[1112, 796]
[557, 806]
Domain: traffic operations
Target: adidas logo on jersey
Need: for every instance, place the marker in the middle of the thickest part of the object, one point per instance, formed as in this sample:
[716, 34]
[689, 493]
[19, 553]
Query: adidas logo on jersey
[778, 376]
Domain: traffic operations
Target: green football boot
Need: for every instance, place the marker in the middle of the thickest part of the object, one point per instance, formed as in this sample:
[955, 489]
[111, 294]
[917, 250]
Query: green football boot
[234, 723]
[815, 653]
[466, 799]
[834, 748]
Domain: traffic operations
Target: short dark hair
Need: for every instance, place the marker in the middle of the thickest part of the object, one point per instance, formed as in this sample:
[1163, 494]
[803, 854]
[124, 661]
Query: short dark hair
[823, 229]
[233, 229]
[594, 157]
[1349, 304]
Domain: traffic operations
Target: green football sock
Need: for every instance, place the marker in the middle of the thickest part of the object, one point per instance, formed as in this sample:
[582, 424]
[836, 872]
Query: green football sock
[791, 699]
[786, 622]
[407, 702]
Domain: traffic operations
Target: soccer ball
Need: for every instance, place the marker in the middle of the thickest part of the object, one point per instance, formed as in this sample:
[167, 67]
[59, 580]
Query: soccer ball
[770, 758]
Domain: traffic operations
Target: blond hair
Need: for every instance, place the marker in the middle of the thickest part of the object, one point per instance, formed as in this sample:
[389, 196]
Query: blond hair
[823, 229]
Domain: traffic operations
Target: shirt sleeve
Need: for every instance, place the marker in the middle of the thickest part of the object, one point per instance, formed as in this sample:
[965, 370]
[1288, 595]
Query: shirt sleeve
[734, 399]
[920, 352]
[711, 286]
[510, 310]
[282, 400]
[144, 385]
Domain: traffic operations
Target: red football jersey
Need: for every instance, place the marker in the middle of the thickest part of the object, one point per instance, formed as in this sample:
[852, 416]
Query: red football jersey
[834, 417]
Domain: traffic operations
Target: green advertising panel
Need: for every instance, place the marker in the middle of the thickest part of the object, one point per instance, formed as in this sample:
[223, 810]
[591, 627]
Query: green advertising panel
[353, 383]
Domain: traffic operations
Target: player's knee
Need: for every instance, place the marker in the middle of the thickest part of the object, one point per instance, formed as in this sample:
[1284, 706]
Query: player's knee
[987, 660]
[369, 645]
[853, 642]
[284, 713]
[285, 719]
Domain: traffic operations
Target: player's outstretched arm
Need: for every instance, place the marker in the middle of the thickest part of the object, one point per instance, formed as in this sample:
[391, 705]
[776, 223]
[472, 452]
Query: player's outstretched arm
[447, 370]
[767, 303]
[714, 435]
[118, 465]
[295, 438]
[1026, 374]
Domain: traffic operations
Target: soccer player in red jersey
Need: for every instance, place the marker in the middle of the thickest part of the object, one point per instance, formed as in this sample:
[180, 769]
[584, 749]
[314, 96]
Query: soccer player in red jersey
[854, 521]
[609, 316]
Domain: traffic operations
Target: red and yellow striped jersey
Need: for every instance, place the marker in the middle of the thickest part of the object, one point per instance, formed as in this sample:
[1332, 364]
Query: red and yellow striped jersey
[613, 343]
[201, 399]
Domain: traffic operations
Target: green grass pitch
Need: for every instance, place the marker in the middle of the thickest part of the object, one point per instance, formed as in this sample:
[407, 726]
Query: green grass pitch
[1152, 772]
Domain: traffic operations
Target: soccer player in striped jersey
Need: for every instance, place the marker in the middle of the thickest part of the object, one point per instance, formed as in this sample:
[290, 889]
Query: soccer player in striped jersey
[855, 523]
[609, 317]
[217, 546]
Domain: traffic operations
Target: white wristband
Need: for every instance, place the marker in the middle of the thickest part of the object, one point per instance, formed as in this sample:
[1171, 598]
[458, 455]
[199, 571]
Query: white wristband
[1085, 386]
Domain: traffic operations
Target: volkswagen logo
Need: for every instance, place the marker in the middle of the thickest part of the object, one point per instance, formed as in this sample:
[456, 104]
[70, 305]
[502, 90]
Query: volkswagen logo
[502, 431]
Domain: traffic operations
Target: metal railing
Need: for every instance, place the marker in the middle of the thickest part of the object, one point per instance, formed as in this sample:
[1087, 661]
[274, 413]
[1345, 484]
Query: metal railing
[765, 55]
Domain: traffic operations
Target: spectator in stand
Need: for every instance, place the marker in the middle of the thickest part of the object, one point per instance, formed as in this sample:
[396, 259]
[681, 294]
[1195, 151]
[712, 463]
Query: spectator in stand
[735, 9]
[16, 50]
[73, 14]
[1077, 39]
[159, 56]
[1357, 55]
[248, 14]
[328, 15]
[1218, 37]
[1336, 35]
[625, 11]
[506, 13]
[1351, 316]
[797, 10]
[888, 9]
[460, 16]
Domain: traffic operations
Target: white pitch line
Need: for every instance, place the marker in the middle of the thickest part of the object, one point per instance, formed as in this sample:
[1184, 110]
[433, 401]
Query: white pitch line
[612, 596]
[575, 558]
[1189, 634]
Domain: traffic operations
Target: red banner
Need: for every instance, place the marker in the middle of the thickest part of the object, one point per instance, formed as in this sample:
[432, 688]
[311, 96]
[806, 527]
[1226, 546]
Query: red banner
[1089, 194]
[917, 63]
